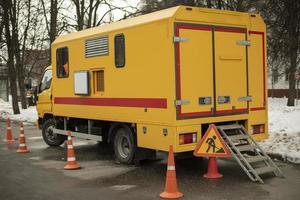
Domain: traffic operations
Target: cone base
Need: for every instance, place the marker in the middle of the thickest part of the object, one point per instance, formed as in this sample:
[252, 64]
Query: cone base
[22, 151]
[213, 175]
[72, 166]
[173, 195]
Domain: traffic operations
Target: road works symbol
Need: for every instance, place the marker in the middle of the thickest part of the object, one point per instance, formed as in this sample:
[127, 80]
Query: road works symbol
[212, 144]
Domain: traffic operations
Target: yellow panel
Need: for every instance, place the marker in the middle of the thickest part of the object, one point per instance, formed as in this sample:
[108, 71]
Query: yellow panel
[231, 79]
[151, 136]
[145, 75]
[256, 74]
[196, 69]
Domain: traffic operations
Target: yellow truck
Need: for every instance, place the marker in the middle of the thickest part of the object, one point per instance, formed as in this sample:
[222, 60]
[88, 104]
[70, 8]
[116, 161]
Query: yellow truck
[156, 80]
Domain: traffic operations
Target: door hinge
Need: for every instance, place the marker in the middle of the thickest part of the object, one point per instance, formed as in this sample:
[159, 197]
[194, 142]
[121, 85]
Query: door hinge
[243, 42]
[182, 102]
[245, 98]
[180, 39]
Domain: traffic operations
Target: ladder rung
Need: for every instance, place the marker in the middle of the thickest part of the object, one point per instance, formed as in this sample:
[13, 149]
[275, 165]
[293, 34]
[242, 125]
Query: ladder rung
[252, 159]
[264, 170]
[238, 137]
[232, 126]
[246, 147]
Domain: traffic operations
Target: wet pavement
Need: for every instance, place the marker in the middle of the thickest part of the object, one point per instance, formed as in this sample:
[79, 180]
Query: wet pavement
[39, 174]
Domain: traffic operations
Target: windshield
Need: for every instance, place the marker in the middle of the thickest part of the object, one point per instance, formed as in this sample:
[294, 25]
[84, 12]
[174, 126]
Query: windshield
[46, 81]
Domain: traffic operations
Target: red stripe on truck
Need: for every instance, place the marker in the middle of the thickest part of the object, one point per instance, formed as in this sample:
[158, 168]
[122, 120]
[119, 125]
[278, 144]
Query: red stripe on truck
[231, 111]
[118, 102]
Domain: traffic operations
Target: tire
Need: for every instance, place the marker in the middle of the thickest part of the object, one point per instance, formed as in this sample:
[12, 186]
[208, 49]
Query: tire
[49, 137]
[124, 145]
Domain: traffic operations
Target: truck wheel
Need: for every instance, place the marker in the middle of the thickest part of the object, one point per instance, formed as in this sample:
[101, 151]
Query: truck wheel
[49, 137]
[124, 146]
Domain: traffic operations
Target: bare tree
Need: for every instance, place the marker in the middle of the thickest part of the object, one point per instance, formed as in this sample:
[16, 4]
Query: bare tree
[87, 12]
[15, 24]
[51, 25]
[7, 6]
[283, 22]
[80, 11]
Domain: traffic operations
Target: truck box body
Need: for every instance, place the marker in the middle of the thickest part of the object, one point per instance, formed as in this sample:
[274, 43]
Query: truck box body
[184, 69]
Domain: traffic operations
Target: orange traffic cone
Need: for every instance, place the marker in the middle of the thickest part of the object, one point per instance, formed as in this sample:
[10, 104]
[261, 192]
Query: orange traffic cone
[22, 142]
[71, 160]
[9, 136]
[212, 171]
[171, 191]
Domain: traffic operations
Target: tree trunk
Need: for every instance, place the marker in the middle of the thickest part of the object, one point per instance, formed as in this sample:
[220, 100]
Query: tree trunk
[208, 3]
[219, 4]
[240, 6]
[53, 25]
[17, 53]
[79, 4]
[10, 51]
[53, 20]
[292, 7]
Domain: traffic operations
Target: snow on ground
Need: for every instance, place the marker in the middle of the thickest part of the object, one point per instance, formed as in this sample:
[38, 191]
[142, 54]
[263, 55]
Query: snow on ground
[284, 130]
[284, 127]
[28, 115]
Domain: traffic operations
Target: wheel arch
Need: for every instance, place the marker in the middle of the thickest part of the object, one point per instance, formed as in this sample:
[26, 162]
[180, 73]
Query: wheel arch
[115, 126]
[46, 116]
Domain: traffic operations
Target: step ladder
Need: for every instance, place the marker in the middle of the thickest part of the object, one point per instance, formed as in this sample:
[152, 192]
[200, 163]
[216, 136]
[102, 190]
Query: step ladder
[253, 160]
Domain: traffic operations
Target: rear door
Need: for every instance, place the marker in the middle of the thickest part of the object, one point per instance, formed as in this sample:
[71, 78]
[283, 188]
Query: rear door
[230, 70]
[194, 70]
[211, 70]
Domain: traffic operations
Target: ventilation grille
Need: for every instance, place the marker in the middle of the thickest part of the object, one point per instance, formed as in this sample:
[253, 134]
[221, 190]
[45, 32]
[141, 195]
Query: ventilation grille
[96, 47]
[99, 81]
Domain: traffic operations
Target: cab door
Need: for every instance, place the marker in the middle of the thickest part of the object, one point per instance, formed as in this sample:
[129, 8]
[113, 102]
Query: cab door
[193, 45]
[44, 101]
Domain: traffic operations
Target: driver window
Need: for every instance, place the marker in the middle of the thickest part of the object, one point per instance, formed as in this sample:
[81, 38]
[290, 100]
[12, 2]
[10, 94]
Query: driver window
[46, 81]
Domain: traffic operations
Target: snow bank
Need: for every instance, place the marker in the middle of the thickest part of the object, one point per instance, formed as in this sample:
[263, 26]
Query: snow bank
[284, 130]
[28, 115]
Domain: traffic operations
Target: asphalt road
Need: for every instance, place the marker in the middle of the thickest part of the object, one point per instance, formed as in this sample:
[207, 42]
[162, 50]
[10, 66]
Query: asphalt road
[40, 175]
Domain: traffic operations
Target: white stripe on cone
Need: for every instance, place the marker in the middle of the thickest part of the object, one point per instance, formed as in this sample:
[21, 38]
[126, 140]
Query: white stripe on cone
[8, 128]
[171, 168]
[21, 129]
[71, 159]
[22, 135]
[22, 145]
[69, 137]
[70, 146]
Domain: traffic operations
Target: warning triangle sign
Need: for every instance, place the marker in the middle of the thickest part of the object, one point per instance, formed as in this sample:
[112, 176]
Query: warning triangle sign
[212, 144]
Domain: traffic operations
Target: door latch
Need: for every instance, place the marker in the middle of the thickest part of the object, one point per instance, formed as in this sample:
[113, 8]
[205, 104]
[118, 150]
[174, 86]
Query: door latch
[182, 102]
[180, 39]
[243, 42]
[245, 98]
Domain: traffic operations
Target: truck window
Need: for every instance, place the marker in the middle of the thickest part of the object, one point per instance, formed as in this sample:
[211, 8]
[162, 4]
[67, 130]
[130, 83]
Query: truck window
[120, 50]
[62, 62]
[46, 81]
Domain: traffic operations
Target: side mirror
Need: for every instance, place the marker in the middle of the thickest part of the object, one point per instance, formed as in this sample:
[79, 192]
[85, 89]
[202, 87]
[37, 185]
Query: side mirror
[35, 92]
[38, 88]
